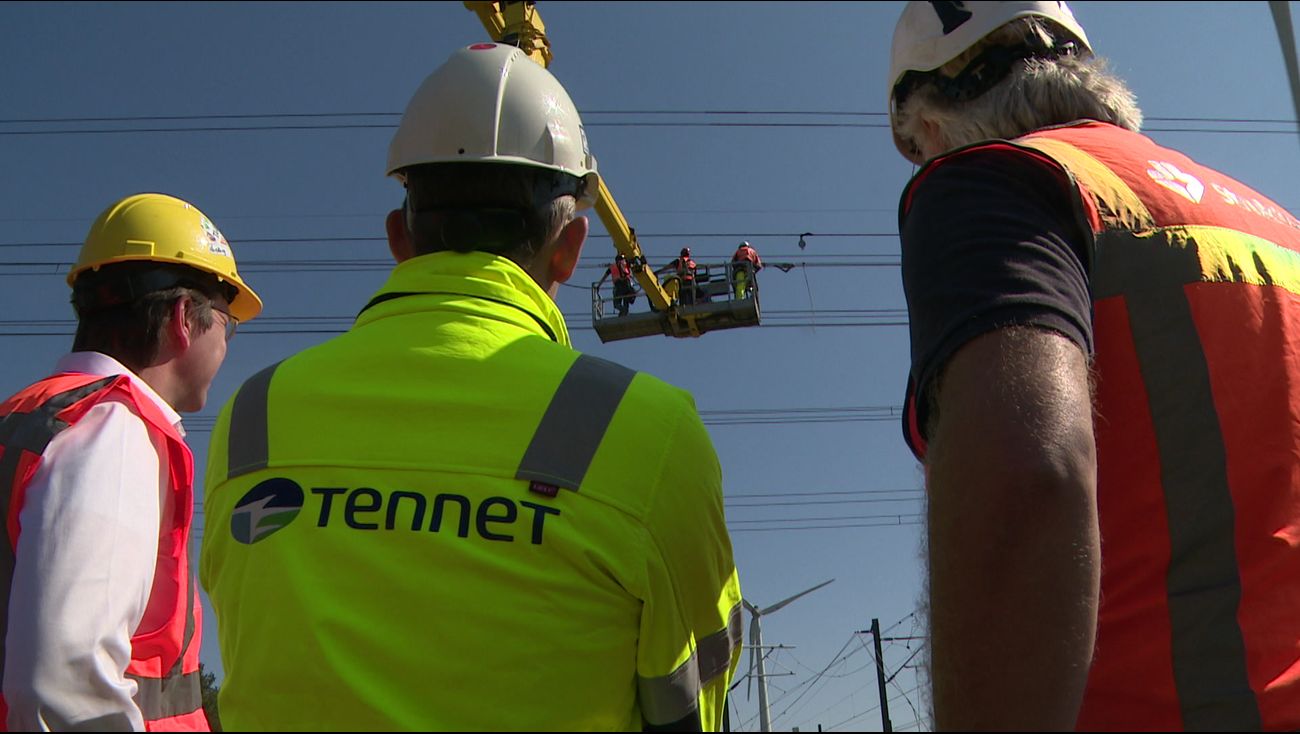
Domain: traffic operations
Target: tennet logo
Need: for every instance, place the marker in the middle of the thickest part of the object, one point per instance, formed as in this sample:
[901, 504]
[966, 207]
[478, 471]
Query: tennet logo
[266, 508]
[274, 503]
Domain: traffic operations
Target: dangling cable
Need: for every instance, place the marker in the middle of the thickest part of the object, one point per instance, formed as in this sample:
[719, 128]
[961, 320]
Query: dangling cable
[808, 286]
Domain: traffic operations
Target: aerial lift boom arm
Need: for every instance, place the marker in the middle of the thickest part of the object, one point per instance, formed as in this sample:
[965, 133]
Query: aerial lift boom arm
[518, 23]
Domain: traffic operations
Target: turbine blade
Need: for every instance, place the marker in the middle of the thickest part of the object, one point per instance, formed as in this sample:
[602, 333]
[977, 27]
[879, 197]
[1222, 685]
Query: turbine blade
[783, 602]
[1286, 34]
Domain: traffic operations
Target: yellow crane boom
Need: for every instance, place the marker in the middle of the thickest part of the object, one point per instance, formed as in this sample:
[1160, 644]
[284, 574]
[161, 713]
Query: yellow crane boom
[518, 23]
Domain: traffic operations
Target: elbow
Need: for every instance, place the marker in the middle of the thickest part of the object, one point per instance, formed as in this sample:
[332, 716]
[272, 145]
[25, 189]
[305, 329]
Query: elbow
[1010, 467]
[1017, 486]
[1065, 464]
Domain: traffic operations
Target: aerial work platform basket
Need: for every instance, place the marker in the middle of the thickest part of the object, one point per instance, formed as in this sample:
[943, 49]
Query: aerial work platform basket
[724, 296]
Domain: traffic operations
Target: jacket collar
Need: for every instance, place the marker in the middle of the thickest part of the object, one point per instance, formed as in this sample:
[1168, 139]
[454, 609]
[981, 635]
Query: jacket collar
[477, 275]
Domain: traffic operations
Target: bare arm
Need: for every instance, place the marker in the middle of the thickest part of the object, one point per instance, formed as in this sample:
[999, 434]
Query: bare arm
[1014, 550]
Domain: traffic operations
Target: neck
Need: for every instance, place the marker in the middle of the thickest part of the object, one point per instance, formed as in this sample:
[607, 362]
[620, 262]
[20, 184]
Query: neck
[540, 271]
[163, 379]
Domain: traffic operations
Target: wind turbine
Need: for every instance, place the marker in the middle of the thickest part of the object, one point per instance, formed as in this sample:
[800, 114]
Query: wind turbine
[1286, 34]
[755, 650]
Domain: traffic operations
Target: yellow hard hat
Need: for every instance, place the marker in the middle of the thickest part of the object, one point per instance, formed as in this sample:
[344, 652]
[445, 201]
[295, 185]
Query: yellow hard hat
[161, 228]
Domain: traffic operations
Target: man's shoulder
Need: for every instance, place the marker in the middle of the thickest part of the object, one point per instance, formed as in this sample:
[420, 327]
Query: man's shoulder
[114, 423]
[971, 177]
[655, 405]
[301, 365]
[987, 158]
[114, 395]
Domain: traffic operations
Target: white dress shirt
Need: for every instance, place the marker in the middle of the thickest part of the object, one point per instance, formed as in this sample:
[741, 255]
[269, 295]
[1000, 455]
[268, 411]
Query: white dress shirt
[84, 568]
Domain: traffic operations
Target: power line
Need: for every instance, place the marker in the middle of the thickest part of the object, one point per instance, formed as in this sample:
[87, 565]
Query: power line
[20, 269]
[789, 416]
[640, 236]
[824, 519]
[807, 503]
[585, 113]
[799, 494]
[269, 326]
[851, 694]
[872, 709]
[909, 659]
[370, 126]
[878, 120]
[900, 523]
[906, 617]
[837, 658]
[777, 527]
[819, 494]
[855, 651]
[385, 126]
[590, 261]
[275, 115]
[916, 715]
[572, 328]
[382, 126]
[373, 216]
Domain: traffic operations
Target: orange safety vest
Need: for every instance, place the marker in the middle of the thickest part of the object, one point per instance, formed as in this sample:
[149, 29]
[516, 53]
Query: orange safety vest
[747, 254]
[164, 662]
[685, 267]
[1195, 282]
[620, 270]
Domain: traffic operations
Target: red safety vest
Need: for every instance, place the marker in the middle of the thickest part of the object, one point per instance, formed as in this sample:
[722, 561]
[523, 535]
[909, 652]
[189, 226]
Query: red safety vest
[685, 267]
[1195, 282]
[748, 254]
[165, 661]
[620, 270]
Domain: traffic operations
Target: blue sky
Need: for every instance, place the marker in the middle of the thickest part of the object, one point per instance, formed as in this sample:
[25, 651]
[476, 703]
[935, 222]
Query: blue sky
[825, 372]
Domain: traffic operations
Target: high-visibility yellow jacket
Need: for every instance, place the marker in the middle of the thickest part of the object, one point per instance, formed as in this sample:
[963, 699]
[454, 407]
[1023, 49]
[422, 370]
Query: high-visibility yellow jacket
[446, 518]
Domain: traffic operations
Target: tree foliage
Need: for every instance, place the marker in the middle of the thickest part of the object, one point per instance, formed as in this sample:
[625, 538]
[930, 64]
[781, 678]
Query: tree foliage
[209, 687]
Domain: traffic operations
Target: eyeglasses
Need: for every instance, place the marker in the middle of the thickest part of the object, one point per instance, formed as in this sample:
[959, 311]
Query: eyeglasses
[231, 324]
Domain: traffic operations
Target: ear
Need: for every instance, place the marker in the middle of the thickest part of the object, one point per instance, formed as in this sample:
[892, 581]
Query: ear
[568, 246]
[399, 239]
[931, 144]
[180, 332]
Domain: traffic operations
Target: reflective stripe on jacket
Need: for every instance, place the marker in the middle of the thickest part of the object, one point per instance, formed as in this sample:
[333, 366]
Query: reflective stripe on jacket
[448, 519]
[1195, 282]
[164, 662]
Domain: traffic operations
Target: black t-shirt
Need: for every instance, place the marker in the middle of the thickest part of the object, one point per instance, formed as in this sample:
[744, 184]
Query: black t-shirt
[992, 239]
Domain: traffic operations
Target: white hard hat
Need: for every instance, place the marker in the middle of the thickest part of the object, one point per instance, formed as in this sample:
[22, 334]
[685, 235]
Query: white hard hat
[930, 34]
[491, 103]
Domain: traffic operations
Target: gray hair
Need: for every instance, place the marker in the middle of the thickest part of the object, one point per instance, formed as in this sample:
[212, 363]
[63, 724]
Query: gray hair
[1038, 92]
